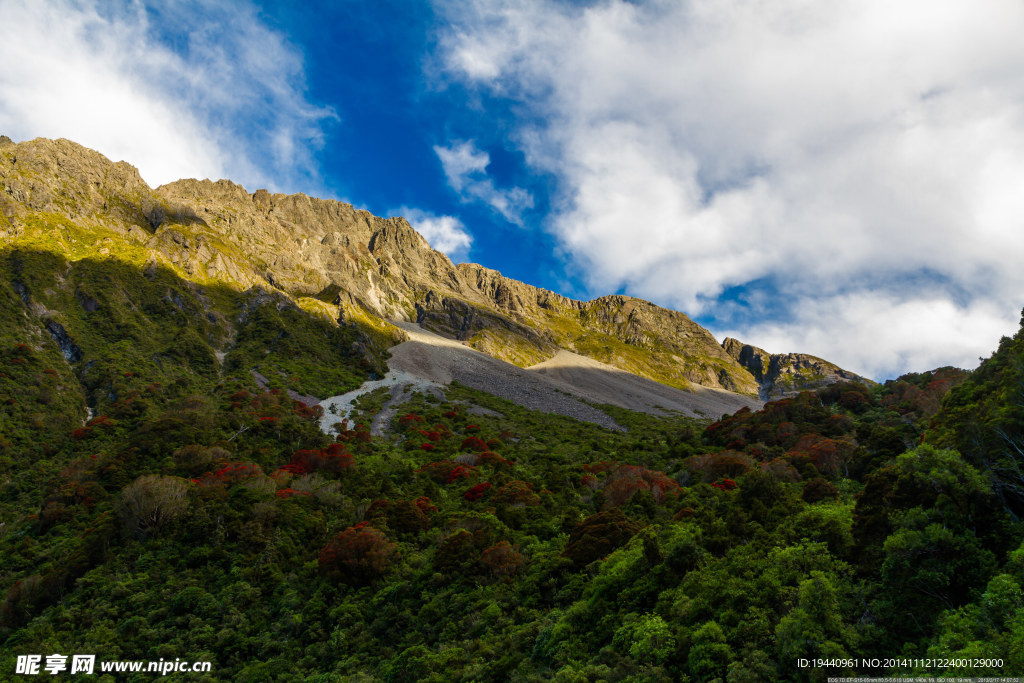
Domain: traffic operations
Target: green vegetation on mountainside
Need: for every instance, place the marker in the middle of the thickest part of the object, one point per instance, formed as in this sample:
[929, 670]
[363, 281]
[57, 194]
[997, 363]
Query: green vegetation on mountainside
[197, 514]
[983, 418]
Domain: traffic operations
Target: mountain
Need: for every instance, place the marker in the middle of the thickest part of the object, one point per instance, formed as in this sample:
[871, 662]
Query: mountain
[346, 264]
[174, 488]
[787, 374]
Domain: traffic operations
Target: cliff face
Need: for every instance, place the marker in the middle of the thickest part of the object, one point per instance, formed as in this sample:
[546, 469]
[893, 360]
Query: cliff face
[334, 257]
[785, 374]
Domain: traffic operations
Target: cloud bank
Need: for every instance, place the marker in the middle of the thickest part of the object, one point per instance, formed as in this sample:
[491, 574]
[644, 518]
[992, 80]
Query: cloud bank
[836, 178]
[196, 88]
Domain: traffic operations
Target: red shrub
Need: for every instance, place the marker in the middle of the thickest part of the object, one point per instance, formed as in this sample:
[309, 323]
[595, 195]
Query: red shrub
[785, 432]
[332, 459]
[502, 559]
[231, 473]
[359, 554]
[474, 443]
[477, 492]
[829, 456]
[489, 458]
[424, 504]
[427, 446]
[336, 449]
[625, 480]
[362, 433]
[296, 468]
[345, 434]
[408, 421]
[459, 472]
[311, 413]
[446, 471]
[725, 485]
[714, 466]
[288, 493]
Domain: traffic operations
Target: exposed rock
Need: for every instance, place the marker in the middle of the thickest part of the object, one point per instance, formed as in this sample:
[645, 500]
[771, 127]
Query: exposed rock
[68, 347]
[786, 374]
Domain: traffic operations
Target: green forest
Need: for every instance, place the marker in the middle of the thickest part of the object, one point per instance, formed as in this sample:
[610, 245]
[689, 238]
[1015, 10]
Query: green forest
[162, 500]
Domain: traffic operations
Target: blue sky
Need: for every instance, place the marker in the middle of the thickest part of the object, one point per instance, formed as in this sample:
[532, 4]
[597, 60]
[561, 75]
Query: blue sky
[842, 179]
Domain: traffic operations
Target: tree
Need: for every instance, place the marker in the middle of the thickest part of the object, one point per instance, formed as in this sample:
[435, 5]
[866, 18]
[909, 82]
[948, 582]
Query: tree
[151, 502]
[709, 654]
[814, 628]
[502, 560]
[598, 535]
[359, 554]
[648, 639]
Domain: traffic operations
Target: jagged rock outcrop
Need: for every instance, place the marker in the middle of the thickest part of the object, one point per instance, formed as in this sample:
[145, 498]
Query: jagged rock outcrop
[785, 374]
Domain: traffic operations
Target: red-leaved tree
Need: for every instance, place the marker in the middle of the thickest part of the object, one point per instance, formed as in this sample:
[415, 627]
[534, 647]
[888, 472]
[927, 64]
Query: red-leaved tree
[357, 555]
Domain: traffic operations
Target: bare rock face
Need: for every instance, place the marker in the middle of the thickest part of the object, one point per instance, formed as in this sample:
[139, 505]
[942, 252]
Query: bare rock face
[305, 246]
[59, 176]
[372, 268]
[785, 374]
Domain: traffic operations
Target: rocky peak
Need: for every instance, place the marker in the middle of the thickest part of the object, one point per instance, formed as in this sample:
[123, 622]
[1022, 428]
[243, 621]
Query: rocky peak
[60, 176]
[785, 374]
[511, 295]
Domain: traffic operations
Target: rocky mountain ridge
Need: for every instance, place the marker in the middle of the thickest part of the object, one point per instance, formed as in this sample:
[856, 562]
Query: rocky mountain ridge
[780, 375]
[345, 263]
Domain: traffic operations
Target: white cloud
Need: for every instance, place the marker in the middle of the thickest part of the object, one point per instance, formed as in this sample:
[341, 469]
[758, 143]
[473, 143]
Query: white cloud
[228, 100]
[465, 167]
[835, 149]
[460, 161]
[444, 233]
[879, 335]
